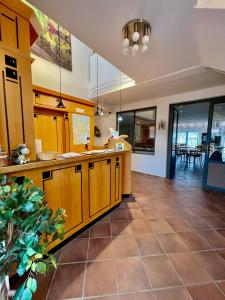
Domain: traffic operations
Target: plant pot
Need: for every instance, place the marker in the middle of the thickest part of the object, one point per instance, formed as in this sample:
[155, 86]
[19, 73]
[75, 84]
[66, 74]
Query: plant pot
[5, 292]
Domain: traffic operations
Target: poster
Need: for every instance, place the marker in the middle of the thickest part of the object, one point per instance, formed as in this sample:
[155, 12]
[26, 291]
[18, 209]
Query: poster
[81, 129]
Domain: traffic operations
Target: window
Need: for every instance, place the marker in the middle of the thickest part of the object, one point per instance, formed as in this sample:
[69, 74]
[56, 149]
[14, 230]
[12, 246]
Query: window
[182, 138]
[140, 126]
[193, 139]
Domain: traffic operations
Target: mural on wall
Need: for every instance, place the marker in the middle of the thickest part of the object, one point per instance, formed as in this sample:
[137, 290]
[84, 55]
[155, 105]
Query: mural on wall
[47, 45]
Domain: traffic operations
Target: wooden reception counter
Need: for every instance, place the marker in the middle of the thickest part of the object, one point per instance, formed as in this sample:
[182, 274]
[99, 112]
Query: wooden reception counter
[86, 186]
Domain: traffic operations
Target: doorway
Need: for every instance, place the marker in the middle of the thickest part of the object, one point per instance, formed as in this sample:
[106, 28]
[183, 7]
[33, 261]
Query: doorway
[196, 144]
[189, 143]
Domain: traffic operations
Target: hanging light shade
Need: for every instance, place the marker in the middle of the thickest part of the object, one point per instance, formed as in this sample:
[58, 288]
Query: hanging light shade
[99, 108]
[136, 37]
[60, 101]
[120, 118]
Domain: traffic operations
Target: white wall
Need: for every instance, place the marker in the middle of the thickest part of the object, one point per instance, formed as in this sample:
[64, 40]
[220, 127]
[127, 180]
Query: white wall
[104, 123]
[108, 77]
[75, 83]
[156, 164]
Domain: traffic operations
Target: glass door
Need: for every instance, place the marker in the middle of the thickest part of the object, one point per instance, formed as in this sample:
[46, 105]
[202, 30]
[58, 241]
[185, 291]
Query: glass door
[174, 144]
[214, 171]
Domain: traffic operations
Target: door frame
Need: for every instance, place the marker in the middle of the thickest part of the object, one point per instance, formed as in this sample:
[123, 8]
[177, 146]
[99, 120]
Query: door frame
[171, 141]
[209, 134]
[211, 102]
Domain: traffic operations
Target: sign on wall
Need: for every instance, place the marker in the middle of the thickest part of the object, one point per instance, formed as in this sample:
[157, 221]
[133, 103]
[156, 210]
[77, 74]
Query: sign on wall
[81, 129]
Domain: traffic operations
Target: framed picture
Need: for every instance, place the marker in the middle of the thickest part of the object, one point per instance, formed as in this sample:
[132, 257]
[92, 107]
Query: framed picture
[54, 43]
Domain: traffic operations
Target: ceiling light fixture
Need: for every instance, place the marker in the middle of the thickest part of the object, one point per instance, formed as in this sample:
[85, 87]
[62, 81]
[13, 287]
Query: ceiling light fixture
[136, 36]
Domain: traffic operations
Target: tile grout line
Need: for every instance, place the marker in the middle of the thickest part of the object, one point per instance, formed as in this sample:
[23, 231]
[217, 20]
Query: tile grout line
[86, 263]
[53, 277]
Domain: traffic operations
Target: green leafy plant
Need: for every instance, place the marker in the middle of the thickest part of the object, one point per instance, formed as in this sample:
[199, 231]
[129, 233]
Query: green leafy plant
[27, 226]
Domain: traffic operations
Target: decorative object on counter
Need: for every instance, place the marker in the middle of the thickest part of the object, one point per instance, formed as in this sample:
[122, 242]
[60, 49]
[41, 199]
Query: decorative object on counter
[113, 133]
[136, 36]
[99, 109]
[97, 132]
[51, 155]
[119, 146]
[38, 145]
[69, 155]
[162, 125]
[19, 156]
[27, 227]
[119, 140]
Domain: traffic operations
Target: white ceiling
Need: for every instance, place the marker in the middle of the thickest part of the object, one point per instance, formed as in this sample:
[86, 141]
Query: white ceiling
[99, 23]
[167, 86]
[172, 64]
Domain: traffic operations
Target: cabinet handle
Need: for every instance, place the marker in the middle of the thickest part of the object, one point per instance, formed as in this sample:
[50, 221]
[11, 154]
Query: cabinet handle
[108, 161]
[47, 175]
[78, 168]
[117, 165]
[37, 95]
[91, 165]
[117, 159]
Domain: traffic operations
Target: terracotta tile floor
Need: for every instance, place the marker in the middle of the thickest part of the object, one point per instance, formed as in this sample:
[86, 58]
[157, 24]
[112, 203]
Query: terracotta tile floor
[168, 245]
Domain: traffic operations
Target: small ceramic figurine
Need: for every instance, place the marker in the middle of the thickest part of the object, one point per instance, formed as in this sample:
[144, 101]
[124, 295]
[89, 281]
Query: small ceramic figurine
[19, 156]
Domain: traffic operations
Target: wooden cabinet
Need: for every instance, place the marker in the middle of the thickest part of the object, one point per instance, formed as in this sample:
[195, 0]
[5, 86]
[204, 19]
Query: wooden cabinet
[47, 100]
[16, 108]
[99, 174]
[63, 188]
[16, 113]
[15, 29]
[49, 128]
[86, 187]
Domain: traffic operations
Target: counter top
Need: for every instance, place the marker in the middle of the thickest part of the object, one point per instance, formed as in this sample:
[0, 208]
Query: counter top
[41, 164]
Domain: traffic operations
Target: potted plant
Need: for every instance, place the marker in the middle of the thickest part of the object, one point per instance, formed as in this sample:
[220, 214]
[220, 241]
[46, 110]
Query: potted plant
[27, 226]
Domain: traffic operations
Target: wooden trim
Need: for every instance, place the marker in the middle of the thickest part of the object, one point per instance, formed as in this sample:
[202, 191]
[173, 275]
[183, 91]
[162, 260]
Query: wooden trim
[22, 110]
[54, 163]
[19, 8]
[6, 111]
[17, 34]
[46, 91]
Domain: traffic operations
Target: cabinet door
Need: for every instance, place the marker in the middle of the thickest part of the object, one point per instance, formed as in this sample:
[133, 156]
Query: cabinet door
[64, 190]
[99, 186]
[49, 129]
